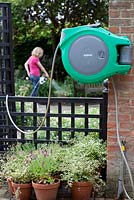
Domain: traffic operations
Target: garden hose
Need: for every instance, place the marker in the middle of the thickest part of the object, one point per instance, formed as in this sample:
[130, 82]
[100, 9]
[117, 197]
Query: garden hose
[48, 102]
[120, 145]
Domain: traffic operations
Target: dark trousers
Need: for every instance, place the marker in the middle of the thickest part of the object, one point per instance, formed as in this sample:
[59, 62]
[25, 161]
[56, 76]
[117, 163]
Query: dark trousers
[35, 83]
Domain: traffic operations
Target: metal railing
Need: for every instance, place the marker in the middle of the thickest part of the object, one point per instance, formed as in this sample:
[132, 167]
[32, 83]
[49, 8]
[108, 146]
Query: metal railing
[66, 118]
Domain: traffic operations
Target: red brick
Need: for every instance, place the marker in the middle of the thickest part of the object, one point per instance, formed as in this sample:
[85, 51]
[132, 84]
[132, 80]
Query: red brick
[132, 125]
[111, 116]
[127, 78]
[114, 29]
[127, 14]
[124, 117]
[112, 149]
[124, 134]
[112, 140]
[124, 110]
[120, 5]
[114, 13]
[120, 22]
[125, 125]
[127, 29]
[111, 132]
[111, 157]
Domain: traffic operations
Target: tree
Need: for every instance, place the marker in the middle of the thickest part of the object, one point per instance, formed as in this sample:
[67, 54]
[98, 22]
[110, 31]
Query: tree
[57, 14]
[34, 20]
[46, 18]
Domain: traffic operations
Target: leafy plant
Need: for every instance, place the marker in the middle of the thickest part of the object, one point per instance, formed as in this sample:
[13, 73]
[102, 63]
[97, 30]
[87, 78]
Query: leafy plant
[83, 160]
[45, 165]
[80, 160]
[23, 87]
[15, 164]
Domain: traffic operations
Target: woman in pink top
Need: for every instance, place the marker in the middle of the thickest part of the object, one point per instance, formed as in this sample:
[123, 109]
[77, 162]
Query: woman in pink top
[33, 67]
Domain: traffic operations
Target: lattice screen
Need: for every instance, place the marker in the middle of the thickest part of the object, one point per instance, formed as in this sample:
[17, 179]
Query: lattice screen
[6, 52]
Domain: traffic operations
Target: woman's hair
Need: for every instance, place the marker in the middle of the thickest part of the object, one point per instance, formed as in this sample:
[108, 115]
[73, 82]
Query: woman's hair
[37, 51]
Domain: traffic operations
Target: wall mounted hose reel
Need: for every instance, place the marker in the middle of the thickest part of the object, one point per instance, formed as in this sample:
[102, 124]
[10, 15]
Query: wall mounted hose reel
[90, 54]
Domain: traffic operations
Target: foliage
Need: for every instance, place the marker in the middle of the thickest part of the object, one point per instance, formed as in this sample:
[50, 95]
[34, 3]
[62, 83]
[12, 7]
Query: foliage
[15, 164]
[65, 88]
[49, 17]
[1, 178]
[80, 160]
[23, 87]
[83, 160]
[44, 89]
[45, 165]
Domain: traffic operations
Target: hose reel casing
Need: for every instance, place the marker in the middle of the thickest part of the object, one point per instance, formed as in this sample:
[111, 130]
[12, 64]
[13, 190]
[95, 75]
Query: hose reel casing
[91, 54]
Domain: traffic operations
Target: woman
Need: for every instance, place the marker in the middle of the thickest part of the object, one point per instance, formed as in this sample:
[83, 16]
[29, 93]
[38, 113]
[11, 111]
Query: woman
[34, 67]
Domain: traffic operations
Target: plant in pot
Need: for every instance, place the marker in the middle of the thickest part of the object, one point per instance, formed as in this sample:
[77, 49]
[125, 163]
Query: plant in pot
[15, 168]
[44, 169]
[81, 166]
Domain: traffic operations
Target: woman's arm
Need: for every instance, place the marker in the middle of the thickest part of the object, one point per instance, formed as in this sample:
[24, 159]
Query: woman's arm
[27, 68]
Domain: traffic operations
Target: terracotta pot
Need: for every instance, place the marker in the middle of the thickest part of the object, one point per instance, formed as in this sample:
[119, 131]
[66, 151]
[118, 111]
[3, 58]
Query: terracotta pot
[46, 191]
[9, 182]
[22, 191]
[81, 190]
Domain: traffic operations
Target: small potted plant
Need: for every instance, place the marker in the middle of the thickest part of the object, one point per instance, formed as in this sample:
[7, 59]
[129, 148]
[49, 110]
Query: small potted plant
[15, 168]
[44, 170]
[81, 166]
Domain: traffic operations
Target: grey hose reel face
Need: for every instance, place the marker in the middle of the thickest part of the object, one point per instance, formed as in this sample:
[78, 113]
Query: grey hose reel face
[88, 54]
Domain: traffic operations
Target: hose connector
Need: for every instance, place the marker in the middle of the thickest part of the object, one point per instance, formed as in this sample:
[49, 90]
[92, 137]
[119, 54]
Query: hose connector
[123, 145]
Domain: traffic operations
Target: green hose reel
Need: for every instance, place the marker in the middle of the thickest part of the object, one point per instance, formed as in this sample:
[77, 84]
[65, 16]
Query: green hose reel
[91, 54]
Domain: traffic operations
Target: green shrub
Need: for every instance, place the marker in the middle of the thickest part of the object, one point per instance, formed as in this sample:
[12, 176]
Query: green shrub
[83, 160]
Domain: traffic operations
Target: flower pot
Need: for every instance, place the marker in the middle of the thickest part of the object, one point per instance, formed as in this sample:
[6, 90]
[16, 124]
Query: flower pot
[9, 182]
[81, 190]
[22, 191]
[46, 191]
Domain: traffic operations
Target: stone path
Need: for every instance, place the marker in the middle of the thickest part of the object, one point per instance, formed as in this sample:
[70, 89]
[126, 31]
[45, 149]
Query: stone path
[6, 195]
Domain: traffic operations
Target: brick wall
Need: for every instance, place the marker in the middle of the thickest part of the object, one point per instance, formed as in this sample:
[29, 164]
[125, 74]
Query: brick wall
[121, 22]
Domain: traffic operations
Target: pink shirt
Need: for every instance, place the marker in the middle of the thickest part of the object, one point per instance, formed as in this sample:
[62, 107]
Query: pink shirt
[34, 69]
